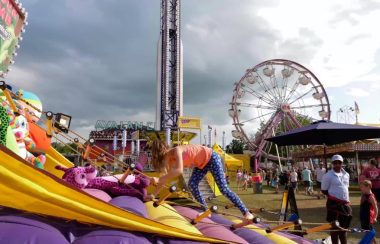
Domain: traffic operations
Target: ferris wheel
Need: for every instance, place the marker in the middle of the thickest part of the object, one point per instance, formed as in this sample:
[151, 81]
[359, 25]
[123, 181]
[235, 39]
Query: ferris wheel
[273, 97]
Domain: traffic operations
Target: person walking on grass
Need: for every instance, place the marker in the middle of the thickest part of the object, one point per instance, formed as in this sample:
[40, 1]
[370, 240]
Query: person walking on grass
[264, 174]
[335, 185]
[368, 207]
[239, 176]
[275, 179]
[306, 177]
[171, 161]
[269, 177]
[319, 173]
[294, 179]
[244, 181]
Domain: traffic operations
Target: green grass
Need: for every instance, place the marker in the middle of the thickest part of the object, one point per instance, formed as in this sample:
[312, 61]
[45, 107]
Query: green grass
[310, 208]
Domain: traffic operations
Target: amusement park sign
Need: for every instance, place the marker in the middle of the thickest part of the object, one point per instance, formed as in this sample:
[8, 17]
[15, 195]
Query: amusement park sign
[189, 122]
[133, 125]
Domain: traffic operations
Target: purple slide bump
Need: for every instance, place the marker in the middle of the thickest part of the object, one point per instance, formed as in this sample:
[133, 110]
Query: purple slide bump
[16, 229]
[111, 237]
[161, 240]
[249, 235]
[131, 204]
[209, 228]
[295, 238]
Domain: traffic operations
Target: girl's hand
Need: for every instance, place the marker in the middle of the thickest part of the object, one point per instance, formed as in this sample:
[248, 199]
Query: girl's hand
[154, 181]
[149, 197]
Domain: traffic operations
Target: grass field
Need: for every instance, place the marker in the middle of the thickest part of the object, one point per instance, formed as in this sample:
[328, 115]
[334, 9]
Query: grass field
[310, 208]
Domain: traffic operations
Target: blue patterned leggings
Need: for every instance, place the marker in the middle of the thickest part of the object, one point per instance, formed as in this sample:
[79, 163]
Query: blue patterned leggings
[216, 168]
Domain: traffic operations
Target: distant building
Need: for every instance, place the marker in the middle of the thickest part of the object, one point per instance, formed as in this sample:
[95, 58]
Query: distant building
[105, 139]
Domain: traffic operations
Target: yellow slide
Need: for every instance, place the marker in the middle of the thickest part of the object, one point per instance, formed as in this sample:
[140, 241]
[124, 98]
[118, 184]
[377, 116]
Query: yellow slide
[54, 158]
[166, 214]
[27, 188]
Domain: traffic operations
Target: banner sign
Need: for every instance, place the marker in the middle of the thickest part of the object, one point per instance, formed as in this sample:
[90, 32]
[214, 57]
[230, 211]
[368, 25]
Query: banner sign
[129, 125]
[12, 20]
[189, 122]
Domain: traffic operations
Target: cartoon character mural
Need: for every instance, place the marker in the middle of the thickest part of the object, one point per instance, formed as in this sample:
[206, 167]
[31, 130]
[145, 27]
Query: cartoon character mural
[25, 143]
[33, 111]
[20, 128]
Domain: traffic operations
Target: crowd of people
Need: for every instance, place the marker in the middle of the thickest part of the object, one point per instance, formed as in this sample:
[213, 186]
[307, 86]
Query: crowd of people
[332, 184]
[309, 178]
[244, 179]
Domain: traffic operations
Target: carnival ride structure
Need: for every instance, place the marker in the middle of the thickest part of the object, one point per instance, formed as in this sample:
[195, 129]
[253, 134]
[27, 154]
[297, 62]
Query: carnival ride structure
[273, 97]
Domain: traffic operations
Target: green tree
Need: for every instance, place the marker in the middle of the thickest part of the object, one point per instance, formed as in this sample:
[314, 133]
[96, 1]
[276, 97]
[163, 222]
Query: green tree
[236, 146]
[70, 148]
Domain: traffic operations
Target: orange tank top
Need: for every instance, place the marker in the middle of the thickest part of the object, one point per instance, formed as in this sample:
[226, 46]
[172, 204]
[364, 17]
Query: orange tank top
[195, 156]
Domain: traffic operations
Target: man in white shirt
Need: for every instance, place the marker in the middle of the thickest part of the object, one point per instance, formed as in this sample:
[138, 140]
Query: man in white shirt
[319, 173]
[335, 185]
[306, 177]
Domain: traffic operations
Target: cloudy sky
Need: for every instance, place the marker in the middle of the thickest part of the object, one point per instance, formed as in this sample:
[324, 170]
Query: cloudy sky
[96, 59]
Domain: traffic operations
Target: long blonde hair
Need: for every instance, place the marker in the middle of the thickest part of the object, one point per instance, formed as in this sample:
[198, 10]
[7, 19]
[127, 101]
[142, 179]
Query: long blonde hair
[159, 149]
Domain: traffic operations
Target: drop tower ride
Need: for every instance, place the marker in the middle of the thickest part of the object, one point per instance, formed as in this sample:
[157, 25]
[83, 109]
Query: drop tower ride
[169, 68]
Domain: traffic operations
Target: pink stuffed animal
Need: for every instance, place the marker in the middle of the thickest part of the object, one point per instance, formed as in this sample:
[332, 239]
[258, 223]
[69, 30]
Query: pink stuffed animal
[78, 176]
[84, 177]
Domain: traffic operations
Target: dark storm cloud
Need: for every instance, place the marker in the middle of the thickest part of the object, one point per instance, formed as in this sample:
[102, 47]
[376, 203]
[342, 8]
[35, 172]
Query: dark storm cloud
[97, 59]
[220, 43]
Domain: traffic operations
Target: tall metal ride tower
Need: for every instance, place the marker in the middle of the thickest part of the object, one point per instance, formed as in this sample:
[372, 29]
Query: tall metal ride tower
[169, 67]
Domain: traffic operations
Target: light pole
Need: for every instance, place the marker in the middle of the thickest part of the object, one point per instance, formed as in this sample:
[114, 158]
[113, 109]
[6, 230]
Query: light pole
[114, 145]
[346, 114]
[224, 141]
[124, 142]
[209, 136]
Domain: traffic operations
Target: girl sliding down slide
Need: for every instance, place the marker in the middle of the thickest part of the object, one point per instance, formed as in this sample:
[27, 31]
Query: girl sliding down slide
[171, 161]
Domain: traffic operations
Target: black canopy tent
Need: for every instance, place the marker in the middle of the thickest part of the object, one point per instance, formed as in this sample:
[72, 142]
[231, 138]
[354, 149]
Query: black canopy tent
[325, 133]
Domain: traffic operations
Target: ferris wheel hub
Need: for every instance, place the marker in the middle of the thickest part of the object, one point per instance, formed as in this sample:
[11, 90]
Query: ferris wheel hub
[285, 107]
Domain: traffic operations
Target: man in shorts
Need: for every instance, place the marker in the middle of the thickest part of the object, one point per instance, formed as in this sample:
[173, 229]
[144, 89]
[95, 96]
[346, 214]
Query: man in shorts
[306, 177]
[335, 185]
